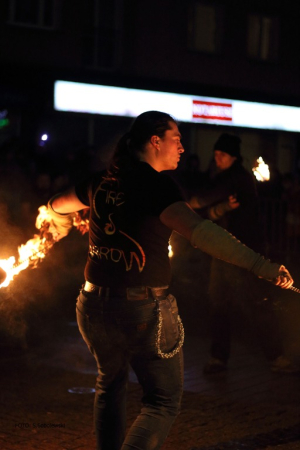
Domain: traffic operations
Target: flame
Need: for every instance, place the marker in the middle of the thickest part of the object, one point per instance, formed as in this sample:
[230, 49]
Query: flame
[170, 251]
[261, 170]
[81, 222]
[35, 249]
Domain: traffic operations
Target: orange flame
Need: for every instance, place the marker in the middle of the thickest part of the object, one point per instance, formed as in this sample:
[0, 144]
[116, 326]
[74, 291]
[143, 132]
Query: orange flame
[81, 221]
[35, 249]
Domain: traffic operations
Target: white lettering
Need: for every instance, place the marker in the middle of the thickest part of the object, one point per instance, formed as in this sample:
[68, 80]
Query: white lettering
[206, 110]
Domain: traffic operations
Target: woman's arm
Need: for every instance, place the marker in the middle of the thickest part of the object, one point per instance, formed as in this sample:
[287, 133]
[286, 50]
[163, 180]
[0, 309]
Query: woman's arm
[217, 242]
[67, 202]
[61, 209]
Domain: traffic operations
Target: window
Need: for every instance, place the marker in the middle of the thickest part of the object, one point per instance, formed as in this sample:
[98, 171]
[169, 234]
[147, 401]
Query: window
[33, 13]
[103, 44]
[263, 37]
[205, 27]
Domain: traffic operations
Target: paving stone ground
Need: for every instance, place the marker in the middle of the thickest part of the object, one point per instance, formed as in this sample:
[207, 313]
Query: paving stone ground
[248, 407]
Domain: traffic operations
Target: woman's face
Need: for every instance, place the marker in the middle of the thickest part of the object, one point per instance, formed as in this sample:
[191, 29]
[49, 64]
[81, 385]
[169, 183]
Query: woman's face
[170, 148]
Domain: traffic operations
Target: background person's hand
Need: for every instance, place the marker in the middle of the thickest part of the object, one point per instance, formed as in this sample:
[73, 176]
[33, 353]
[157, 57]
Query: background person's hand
[232, 202]
[194, 202]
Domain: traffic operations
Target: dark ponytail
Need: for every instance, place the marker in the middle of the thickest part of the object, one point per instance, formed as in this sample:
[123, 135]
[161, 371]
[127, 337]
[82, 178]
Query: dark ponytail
[132, 143]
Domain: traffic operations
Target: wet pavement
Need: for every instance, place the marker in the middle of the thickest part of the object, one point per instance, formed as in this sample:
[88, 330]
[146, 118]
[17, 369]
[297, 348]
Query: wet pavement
[47, 399]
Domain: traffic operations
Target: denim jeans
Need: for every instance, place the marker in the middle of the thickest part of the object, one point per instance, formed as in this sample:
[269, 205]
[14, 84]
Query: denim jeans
[121, 333]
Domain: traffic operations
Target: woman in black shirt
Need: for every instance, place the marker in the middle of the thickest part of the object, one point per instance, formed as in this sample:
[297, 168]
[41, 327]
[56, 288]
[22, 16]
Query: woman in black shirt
[124, 311]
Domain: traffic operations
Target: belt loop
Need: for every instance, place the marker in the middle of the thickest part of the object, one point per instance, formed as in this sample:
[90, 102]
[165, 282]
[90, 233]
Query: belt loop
[159, 293]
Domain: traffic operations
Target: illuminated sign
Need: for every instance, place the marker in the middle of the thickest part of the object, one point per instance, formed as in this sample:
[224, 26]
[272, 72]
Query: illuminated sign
[117, 101]
[212, 110]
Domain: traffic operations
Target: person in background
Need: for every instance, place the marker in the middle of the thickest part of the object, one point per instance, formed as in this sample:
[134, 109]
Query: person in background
[190, 178]
[125, 313]
[230, 199]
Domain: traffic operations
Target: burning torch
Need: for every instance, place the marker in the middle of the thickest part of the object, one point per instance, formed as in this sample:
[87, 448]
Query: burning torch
[35, 249]
[261, 170]
[31, 253]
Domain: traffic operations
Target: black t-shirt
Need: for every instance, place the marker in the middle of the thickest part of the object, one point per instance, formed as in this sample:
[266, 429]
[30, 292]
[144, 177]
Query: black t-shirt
[128, 244]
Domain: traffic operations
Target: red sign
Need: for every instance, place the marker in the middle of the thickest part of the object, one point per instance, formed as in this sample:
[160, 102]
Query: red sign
[212, 110]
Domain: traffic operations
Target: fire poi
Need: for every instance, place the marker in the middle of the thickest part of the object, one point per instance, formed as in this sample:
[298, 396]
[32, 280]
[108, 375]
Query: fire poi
[35, 249]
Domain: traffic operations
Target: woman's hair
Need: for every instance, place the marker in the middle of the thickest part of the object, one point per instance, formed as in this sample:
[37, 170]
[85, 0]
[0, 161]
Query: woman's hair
[132, 143]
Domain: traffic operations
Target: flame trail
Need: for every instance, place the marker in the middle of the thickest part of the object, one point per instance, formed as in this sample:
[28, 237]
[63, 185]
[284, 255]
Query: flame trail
[35, 249]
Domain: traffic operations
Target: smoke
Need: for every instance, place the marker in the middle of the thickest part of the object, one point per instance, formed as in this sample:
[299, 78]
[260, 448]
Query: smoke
[11, 235]
[13, 322]
[39, 299]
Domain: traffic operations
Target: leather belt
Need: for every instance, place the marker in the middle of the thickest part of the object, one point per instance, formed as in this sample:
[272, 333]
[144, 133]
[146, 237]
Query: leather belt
[131, 293]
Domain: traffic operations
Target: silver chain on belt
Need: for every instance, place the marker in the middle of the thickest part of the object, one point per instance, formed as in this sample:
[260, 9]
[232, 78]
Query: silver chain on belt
[179, 344]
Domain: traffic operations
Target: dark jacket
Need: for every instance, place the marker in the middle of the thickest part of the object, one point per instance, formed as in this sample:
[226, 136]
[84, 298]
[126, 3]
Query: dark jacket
[243, 222]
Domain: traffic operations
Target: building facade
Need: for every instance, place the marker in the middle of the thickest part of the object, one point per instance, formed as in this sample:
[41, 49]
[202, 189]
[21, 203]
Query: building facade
[225, 48]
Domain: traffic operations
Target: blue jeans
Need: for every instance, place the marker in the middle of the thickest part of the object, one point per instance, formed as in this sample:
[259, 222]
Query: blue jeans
[122, 333]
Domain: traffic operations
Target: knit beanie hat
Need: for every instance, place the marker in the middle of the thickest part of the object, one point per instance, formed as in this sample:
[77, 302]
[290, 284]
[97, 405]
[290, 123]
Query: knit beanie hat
[230, 144]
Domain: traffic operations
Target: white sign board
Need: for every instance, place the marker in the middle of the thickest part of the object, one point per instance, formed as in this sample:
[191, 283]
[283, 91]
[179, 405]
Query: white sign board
[117, 101]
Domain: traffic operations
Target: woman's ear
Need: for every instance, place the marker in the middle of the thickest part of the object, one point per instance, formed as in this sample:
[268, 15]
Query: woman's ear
[155, 141]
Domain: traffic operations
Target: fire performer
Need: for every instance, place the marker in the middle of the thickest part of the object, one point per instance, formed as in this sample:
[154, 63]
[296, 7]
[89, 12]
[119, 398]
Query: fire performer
[124, 311]
[230, 199]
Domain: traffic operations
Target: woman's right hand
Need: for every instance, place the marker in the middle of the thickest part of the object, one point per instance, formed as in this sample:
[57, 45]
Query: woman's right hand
[284, 278]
